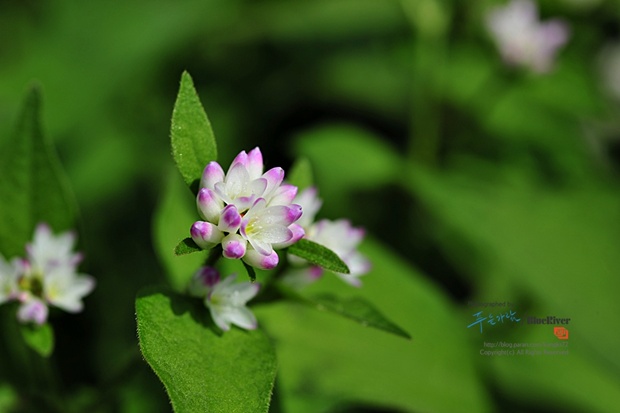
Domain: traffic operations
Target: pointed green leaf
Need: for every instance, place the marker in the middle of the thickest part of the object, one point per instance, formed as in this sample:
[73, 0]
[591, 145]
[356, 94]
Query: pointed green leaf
[202, 369]
[300, 174]
[191, 136]
[33, 187]
[250, 270]
[318, 255]
[187, 246]
[355, 308]
[39, 338]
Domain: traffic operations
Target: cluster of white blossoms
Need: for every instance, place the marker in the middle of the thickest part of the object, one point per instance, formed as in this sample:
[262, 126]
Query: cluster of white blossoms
[253, 213]
[339, 236]
[226, 299]
[522, 39]
[47, 276]
[249, 212]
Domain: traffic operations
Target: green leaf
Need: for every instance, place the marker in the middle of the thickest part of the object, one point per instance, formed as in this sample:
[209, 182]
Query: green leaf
[251, 271]
[33, 187]
[375, 164]
[557, 255]
[202, 369]
[300, 174]
[174, 215]
[355, 308]
[191, 136]
[363, 364]
[187, 246]
[39, 338]
[318, 255]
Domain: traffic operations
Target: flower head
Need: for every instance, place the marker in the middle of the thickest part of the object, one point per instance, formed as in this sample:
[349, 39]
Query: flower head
[225, 299]
[339, 236]
[248, 211]
[523, 40]
[47, 276]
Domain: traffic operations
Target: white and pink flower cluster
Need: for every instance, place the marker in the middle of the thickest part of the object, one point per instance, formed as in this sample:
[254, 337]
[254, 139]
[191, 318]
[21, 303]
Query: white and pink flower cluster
[522, 39]
[47, 276]
[226, 299]
[339, 236]
[250, 212]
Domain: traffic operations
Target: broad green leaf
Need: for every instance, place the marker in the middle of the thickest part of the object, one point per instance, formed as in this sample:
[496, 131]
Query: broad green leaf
[191, 136]
[318, 255]
[202, 369]
[300, 174]
[39, 338]
[187, 246]
[355, 308]
[174, 215]
[33, 187]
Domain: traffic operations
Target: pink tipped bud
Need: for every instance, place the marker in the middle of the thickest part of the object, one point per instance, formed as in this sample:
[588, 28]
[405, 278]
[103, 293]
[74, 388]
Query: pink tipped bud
[258, 260]
[233, 246]
[241, 158]
[209, 205]
[230, 219]
[212, 174]
[205, 234]
[203, 281]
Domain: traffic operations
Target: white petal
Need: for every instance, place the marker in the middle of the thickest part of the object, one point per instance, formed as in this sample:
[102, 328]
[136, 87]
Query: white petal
[69, 297]
[242, 317]
[255, 163]
[219, 318]
[237, 181]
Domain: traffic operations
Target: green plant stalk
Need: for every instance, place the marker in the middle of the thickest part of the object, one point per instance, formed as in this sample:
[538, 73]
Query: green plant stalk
[428, 20]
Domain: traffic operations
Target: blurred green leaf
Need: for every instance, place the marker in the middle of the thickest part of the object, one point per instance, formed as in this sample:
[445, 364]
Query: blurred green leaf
[187, 246]
[318, 255]
[354, 308]
[557, 251]
[191, 136]
[33, 187]
[8, 398]
[347, 157]
[174, 215]
[39, 338]
[326, 360]
[300, 174]
[202, 370]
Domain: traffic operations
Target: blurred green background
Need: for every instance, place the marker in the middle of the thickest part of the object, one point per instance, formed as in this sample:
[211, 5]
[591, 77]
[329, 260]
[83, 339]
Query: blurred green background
[476, 182]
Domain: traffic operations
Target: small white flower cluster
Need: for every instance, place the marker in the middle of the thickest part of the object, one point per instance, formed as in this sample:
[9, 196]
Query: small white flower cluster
[339, 236]
[522, 39]
[47, 276]
[249, 212]
[252, 214]
[225, 299]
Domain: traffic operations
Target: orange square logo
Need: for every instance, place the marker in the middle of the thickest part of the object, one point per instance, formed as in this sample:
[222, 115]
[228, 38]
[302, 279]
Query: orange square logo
[561, 333]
